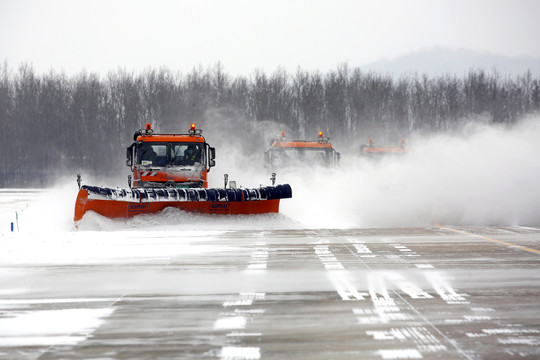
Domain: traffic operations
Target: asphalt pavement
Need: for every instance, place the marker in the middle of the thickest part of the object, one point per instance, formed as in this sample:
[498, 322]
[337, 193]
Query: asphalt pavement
[391, 293]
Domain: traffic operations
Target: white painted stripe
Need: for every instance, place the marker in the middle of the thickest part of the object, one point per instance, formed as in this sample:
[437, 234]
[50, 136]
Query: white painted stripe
[253, 295]
[243, 334]
[407, 287]
[413, 291]
[337, 266]
[40, 340]
[344, 287]
[48, 327]
[246, 299]
[477, 317]
[510, 331]
[330, 262]
[520, 341]
[400, 354]
[234, 322]
[257, 266]
[258, 260]
[54, 301]
[242, 302]
[362, 249]
[424, 340]
[475, 335]
[425, 266]
[240, 353]
[405, 250]
[444, 289]
[250, 311]
[340, 279]
[379, 294]
[482, 309]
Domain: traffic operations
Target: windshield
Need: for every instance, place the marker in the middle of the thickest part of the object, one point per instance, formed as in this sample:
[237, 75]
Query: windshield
[283, 156]
[170, 154]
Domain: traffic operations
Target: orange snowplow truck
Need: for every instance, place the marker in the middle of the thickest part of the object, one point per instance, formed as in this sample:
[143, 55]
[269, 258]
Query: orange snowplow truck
[376, 151]
[169, 171]
[170, 160]
[285, 153]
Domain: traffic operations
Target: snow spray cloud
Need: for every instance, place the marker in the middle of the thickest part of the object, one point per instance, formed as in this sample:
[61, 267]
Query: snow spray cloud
[240, 146]
[481, 175]
[485, 175]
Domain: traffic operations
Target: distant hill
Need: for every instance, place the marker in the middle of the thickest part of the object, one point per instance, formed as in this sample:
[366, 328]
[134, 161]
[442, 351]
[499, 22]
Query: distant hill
[439, 61]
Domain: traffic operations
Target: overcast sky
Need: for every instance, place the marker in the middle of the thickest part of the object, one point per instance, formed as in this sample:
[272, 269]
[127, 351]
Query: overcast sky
[103, 35]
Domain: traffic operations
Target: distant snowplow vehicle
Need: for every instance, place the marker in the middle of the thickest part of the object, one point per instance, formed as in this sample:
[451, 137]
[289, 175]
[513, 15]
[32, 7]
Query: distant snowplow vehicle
[379, 151]
[284, 153]
[170, 170]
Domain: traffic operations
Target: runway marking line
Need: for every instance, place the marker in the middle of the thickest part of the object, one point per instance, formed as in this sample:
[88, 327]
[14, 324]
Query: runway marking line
[490, 239]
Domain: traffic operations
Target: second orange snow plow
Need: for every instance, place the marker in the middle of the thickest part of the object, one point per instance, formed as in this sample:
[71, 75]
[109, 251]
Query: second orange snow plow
[170, 170]
[374, 151]
[284, 153]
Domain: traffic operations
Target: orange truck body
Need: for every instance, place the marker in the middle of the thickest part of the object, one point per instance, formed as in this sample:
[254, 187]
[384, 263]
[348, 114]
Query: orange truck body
[285, 153]
[370, 149]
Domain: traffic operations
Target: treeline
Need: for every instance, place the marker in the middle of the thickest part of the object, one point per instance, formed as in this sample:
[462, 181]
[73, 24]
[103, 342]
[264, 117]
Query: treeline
[55, 124]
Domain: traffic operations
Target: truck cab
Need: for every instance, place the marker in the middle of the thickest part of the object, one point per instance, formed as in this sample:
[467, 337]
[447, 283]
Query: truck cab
[285, 153]
[170, 160]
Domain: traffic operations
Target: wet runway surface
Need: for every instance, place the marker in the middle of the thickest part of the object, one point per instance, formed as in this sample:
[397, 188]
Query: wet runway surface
[402, 293]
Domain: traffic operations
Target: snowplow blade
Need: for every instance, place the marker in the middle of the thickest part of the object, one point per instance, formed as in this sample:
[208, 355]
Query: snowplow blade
[126, 203]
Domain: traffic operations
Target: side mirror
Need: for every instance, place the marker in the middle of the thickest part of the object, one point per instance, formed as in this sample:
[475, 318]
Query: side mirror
[212, 157]
[129, 156]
